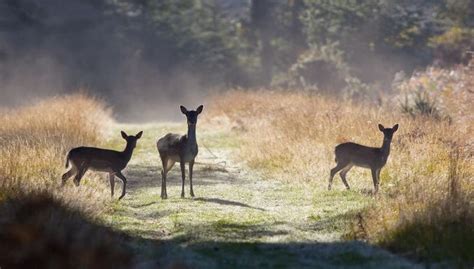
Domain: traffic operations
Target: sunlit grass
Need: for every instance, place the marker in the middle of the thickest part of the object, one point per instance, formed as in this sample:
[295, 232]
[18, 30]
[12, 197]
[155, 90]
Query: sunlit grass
[237, 217]
[291, 136]
[43, 224]
[34, 141]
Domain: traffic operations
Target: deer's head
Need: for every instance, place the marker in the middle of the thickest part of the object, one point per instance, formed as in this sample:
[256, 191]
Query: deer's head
[192, 115]
[131, 139]
[388, 132]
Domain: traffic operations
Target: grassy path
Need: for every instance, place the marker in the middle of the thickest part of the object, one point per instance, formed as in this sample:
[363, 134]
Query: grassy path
[237, 220]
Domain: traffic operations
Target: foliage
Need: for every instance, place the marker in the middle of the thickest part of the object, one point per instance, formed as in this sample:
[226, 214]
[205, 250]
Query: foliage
[323, 69]
[247, 43]
[186, 36]
[320, 67]
[452, 46]
[440, 93]
[420, 104]
[372, 33]
[201, 34]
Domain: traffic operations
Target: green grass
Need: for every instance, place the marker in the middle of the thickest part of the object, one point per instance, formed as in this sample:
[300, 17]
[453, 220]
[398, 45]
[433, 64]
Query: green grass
[237, 218]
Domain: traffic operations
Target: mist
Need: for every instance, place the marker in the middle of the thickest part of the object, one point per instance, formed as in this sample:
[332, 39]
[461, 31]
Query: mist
[146, 57]
[48, 48]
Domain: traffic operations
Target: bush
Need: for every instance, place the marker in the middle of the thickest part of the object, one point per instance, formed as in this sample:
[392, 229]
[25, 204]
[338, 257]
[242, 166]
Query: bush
[323, 69]
[438, 93]
[420, 104]
[451, 47]
[320, 67]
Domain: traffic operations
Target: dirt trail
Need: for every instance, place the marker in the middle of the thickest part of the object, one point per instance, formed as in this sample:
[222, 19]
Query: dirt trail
[238, 219]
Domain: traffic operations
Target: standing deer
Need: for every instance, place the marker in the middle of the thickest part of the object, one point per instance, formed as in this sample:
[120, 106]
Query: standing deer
[350, 154]
[101, 160]
[179, 148]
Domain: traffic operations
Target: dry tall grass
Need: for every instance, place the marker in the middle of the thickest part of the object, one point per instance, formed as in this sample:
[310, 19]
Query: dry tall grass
[33, 143]
[427, 183]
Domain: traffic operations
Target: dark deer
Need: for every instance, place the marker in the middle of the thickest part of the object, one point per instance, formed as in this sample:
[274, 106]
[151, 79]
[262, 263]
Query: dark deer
[179, 148]
[101, 160]
[350, 154]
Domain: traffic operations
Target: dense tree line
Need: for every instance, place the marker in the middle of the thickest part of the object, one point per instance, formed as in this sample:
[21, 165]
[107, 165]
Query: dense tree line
[112, 44]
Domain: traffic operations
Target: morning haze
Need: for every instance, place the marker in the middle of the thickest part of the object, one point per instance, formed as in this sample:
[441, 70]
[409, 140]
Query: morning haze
[236, 134]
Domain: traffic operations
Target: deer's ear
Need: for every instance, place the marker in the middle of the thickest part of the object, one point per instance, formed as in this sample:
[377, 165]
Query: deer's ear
[395, 127]
[199, 109]
[124, 135]
[139, 135]
[183, 110]
[381, 128]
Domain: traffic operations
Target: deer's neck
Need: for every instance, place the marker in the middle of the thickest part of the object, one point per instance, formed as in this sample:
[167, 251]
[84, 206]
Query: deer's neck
[386, 147]
[127, 152]
[192, 134]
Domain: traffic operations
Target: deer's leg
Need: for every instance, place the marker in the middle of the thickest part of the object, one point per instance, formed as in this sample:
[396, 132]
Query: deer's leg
[343, 175]
[164, 163]
[68, 175]
[183, 176]
[112, 184]
[80, 173]
[375, 179]
[167, 165]
[336, 169]
[124, 180]
[378, 180]
[191, 165]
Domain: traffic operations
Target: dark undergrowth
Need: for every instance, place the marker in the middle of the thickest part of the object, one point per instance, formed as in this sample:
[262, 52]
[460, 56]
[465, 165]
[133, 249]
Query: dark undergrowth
[451, 240]
[37, 231]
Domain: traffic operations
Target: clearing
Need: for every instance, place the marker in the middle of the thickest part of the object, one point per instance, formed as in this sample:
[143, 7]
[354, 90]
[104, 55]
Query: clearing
[238, 219]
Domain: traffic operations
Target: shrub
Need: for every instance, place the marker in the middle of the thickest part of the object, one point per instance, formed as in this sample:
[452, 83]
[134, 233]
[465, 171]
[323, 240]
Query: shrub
[451, 46]
[420, 104]
[438, 93]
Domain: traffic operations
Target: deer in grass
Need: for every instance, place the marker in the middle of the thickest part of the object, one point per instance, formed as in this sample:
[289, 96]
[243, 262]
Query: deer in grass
[352, 154]
[179, 148]
[101, 160]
